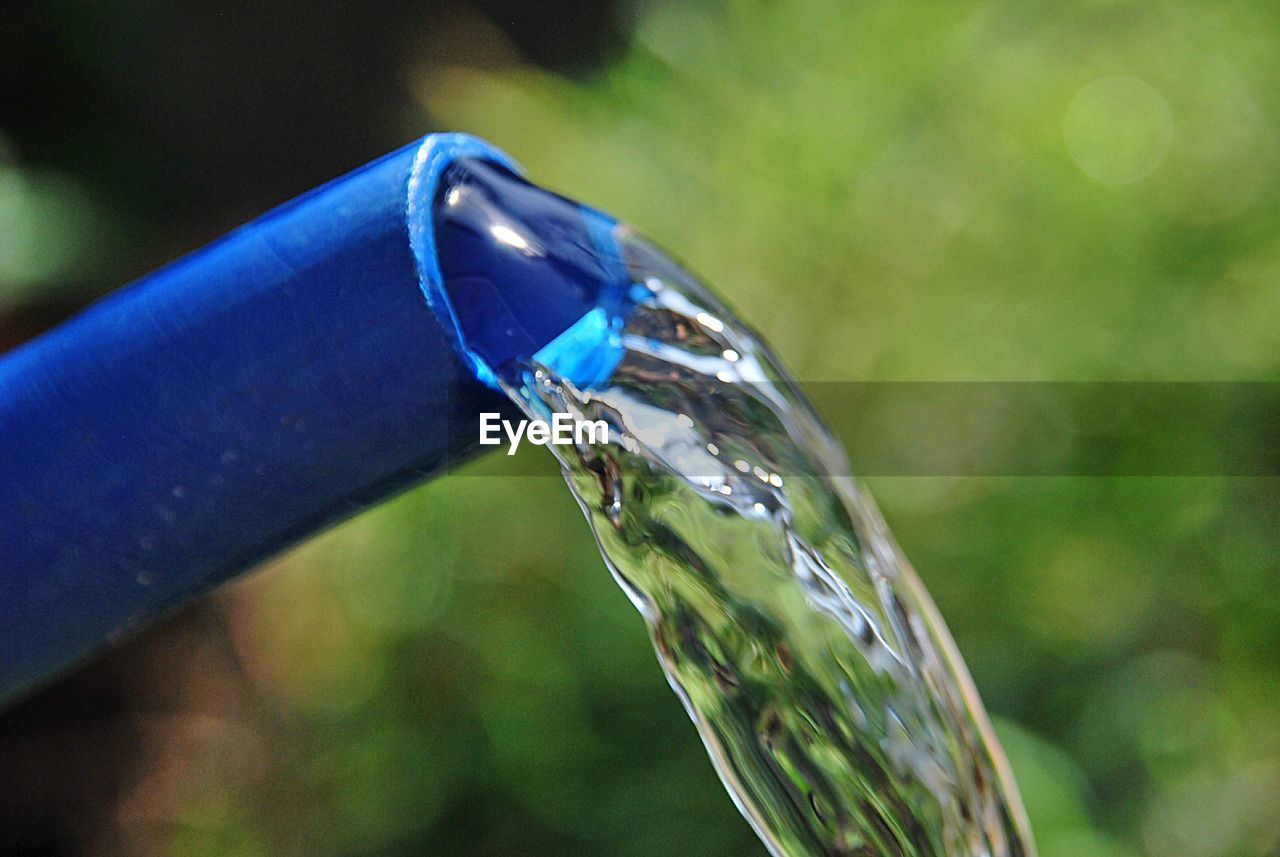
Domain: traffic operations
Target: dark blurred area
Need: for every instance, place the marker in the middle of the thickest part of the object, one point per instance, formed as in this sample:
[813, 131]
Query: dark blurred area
[183, 120]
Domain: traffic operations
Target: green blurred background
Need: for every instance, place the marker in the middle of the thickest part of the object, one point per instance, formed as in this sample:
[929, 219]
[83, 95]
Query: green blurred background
[889, 191]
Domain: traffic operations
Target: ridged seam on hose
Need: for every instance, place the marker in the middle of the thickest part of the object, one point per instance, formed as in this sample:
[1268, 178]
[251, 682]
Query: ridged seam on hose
[434, 156]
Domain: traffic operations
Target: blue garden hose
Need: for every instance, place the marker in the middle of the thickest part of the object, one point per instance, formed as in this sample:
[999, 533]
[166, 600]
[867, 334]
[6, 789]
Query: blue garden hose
[278, 380]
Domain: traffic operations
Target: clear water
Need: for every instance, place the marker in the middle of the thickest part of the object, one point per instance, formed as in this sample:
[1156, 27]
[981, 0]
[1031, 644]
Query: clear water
[825, 686]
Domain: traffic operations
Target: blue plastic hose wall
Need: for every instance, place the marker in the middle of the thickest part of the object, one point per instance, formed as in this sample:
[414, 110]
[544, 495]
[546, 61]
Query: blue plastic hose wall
[214, 412]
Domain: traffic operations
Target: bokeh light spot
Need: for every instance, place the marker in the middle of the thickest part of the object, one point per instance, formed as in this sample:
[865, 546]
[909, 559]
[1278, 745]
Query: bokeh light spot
[1118, 129]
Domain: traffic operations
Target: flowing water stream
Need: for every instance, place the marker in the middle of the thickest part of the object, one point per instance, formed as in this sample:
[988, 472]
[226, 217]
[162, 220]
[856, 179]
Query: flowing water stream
[817, 670]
